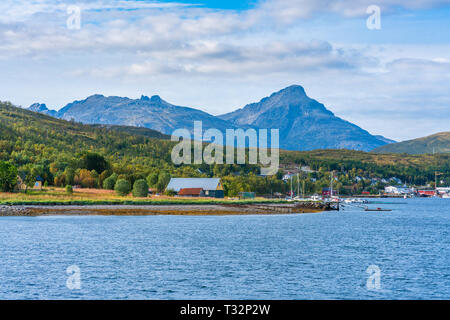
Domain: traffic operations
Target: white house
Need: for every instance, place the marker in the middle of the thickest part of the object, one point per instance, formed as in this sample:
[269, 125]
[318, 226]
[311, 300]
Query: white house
[397, 190]
[442, 190]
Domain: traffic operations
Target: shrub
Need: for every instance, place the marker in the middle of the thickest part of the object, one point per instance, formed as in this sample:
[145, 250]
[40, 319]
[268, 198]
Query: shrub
[170, 193]
[140, 189]
[69, 189]
[85, 179]
[122, 187]
[109, 183]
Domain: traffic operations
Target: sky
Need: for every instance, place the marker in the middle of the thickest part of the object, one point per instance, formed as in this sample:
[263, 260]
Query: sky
[391, 78]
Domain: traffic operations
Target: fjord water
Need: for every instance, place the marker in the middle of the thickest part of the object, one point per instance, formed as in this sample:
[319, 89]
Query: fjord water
[309, 256]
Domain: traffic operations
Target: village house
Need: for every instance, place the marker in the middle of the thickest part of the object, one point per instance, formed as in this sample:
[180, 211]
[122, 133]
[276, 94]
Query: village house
[22, 186]
[397, 190]
[197, 187]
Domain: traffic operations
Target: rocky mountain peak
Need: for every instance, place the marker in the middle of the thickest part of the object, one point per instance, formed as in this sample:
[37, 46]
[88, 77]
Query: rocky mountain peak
[38, 107]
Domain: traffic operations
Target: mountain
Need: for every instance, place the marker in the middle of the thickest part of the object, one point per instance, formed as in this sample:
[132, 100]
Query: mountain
[304, 123]
[54, 146]
[153, 113]
[42, 108]
[436, 143]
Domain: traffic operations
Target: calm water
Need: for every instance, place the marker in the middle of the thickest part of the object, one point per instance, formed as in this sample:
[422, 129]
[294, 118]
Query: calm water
[311, 256]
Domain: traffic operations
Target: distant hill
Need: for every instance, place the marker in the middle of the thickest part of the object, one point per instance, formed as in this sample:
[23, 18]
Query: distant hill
[436, 143]
[304, 123]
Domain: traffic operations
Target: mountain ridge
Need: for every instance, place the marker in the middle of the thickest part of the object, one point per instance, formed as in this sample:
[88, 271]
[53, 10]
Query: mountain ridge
[304, 123]
[303, 119]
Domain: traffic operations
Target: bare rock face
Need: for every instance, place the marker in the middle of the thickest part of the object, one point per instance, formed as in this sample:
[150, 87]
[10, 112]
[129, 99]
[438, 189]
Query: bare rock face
[153, 113]
[303, 123]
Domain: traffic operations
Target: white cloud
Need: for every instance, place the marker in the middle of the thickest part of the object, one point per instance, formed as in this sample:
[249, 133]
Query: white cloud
[287, 11]
[204, 53]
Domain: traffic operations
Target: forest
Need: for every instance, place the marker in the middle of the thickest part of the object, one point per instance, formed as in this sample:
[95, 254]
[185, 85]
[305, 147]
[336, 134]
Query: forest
[65, 153]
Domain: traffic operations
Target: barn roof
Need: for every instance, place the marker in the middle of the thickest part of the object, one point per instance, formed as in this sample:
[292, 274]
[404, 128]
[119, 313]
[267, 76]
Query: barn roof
[176, 184]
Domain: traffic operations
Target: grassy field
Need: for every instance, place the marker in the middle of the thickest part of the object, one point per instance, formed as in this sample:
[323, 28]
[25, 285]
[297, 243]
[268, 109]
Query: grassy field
[58, 196]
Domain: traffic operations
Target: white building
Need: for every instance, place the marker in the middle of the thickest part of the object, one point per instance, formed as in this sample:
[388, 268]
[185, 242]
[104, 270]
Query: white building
[442, 190]
[288, 176]
[397, 190]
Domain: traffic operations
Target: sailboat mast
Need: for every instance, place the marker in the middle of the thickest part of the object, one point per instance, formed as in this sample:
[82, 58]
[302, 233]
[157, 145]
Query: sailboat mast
[331, 186]
[303, 189]
[291, 185]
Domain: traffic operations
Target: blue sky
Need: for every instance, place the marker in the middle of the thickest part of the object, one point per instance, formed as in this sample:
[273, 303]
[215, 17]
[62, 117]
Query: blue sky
[220, 55]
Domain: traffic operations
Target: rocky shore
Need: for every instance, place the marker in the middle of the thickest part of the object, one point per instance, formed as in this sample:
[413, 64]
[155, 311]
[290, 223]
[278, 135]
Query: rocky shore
[6, 211]
[136, 210]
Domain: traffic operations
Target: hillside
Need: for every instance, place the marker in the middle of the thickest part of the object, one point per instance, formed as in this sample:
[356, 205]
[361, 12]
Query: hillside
[28, 137]
[304, 123]
[53, 149]
[436, 143]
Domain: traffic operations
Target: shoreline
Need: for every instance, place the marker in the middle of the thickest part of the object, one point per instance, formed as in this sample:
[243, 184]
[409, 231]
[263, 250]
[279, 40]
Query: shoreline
[148, 210]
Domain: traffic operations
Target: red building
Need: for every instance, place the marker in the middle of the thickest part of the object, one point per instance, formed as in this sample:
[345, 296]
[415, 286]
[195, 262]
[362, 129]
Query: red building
[426, 193]
[191, 192]
[326, 192]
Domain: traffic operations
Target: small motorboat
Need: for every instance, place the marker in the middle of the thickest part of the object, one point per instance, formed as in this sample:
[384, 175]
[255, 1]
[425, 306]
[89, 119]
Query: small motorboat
[376, 209]
[355, 201]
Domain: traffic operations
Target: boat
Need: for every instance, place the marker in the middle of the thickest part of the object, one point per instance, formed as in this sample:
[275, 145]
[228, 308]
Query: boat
[355, 201]
[300, 199]
[376, 209]
[446, 196]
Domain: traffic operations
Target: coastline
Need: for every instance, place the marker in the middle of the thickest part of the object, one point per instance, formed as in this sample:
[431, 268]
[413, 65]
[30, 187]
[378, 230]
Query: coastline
[147, 210]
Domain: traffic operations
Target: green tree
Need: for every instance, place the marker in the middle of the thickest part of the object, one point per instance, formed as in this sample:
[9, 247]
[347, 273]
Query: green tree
[94, 161]
[152, 179]
[69, 174]
[110, 182]
[163, 181]
[8, 176]
[31, 176]
[122, 187]
[140, 189]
